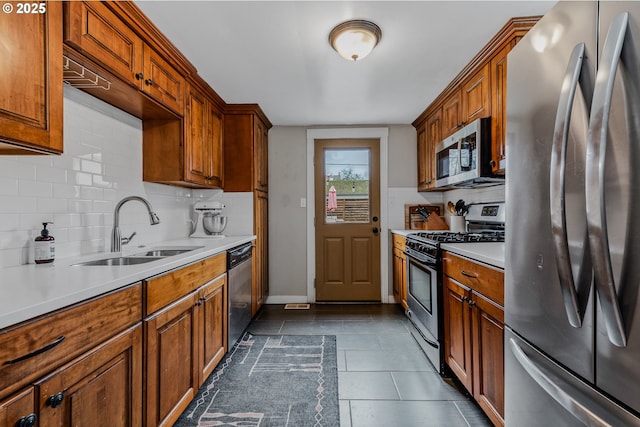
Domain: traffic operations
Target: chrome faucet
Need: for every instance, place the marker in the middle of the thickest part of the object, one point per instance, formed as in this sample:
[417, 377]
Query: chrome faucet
[116, 240]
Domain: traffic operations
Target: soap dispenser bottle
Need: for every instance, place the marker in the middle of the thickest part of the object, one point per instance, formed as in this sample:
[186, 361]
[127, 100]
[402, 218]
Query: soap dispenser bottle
[44, 250]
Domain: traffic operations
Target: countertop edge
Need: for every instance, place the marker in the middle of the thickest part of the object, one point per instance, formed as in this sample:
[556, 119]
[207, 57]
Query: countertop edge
[489, 253]
[29, 291]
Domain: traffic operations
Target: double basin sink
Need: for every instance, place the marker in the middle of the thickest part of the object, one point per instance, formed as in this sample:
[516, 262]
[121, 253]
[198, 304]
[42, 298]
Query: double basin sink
[149, 255]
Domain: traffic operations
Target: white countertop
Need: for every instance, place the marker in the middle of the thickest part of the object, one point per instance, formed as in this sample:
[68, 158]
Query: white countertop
[31, 290]
[404, 232]
[491, 253]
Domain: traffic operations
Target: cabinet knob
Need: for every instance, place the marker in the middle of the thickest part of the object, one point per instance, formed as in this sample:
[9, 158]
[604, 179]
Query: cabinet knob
[148, 82]
[139, 76]
[28, 421]
[55, 400]
[492, 163]
[465, 298]
[471, 303]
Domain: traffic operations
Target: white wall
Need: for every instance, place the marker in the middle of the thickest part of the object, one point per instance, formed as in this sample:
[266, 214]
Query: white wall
[101, 164]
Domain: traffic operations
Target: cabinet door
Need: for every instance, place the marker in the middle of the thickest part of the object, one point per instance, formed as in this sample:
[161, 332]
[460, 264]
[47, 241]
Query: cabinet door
[475, 96]
[171, 355]
[499, 109]
[488, 362]
[457, 331]
[434, 136]
[215, 146]
[261, 155]
[162, 81]
[31, 75]
[451, 114]
[100, 388]
[397, 275]
[260, 288]
[423, 159]
[93, 29]
[196, 138]
[18, 409]
[213, 326]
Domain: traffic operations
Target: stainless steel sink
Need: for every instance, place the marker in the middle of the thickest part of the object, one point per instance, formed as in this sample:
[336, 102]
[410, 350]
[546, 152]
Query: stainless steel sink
[163, 252]
[152, 254]
[123, 260]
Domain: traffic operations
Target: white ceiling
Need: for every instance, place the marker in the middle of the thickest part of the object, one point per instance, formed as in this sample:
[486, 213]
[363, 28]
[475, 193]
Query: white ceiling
[276, 54]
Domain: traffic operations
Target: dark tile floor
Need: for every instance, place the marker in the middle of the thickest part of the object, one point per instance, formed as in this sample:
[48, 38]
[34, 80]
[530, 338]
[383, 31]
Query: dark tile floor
[384, 379]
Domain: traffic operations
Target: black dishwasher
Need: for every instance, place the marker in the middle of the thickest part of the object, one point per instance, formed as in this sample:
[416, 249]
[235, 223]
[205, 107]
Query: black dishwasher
[239, 266]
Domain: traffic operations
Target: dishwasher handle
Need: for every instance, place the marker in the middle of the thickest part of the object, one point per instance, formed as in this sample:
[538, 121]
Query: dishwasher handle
[239, 254]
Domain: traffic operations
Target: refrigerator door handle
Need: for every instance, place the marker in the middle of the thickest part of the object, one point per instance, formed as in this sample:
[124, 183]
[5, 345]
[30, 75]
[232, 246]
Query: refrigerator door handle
[594, 179]
[554, 388]
[575, 307]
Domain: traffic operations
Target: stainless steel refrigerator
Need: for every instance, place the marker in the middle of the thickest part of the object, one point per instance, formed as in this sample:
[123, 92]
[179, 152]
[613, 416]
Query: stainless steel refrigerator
[572, 278]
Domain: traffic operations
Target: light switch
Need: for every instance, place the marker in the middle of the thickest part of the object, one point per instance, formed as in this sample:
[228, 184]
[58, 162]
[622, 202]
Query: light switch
[303, 202]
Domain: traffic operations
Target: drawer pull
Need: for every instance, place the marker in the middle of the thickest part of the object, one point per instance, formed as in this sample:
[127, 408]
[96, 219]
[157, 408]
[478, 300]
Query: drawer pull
[472, 275]
[28, 421]
[35, 353]
[55, 400]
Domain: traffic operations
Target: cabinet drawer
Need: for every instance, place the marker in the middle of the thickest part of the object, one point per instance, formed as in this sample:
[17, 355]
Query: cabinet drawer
[399, 242]
[33, 348]
[169, 287]
[483, 279]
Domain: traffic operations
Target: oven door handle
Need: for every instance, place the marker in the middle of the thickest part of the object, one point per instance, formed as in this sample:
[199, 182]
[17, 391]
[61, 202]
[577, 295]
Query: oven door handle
[428, 341]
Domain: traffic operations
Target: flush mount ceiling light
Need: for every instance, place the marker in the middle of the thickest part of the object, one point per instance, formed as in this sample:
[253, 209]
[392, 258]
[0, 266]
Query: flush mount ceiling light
[355, 39]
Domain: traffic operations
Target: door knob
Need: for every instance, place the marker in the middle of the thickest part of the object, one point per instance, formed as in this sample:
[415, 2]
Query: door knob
[375, 219]
[375, 230]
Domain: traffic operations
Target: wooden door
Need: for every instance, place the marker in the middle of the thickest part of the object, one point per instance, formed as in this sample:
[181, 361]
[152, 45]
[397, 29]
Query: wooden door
[451, 114]
[102, 388]
[162, 81]
[31, 79]
[488, 357]
[260, 279]
[434, 136]
[93, 29]
[475, 96]
[347, 212]
[457, 331]
[18, 409]
[171, 355]
[196, 138]
[215, 146]
[499, 109]
[261, 155]
[213, 325]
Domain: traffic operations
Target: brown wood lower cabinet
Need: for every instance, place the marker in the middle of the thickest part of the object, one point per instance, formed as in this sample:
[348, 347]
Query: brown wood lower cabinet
[399, 270]
[18, 410]
[185, 341]
[101, 388]
[474, 331]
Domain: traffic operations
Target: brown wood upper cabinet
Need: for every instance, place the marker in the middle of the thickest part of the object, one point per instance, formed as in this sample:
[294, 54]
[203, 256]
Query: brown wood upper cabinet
[203, 140]
[474, 330]
[31, 94]
[479, 90]
[93, 29]
[246, 139]
[498, 72]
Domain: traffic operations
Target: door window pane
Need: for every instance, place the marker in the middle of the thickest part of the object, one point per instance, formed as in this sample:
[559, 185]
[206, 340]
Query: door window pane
[346, 191]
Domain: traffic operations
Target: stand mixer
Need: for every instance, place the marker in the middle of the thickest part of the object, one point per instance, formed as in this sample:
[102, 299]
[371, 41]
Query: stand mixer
[209, 223]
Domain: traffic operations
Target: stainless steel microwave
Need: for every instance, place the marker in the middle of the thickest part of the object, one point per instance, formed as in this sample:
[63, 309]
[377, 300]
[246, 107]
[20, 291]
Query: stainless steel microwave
[463, 159]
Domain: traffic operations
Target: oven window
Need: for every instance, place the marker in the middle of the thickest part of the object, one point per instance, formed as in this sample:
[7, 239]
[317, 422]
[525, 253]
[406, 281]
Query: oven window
[420, 282]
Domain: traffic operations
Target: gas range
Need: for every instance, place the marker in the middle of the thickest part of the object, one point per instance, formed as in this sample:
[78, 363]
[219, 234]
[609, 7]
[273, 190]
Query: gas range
[484, 223]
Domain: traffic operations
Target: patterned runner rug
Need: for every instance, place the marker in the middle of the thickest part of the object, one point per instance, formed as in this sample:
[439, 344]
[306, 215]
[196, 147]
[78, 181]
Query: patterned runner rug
[270, 381]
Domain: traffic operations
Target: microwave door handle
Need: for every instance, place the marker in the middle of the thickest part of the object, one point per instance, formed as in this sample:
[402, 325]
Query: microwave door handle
[574, 306]
[594, 185]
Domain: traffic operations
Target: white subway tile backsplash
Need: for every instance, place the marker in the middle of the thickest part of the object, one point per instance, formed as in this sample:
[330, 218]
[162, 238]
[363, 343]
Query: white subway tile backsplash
[101, 164]
[8, 186]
